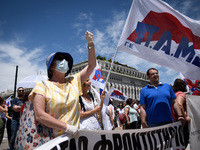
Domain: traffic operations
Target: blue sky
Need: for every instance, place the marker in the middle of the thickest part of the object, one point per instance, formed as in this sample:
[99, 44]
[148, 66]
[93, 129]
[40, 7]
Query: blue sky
[31, 30]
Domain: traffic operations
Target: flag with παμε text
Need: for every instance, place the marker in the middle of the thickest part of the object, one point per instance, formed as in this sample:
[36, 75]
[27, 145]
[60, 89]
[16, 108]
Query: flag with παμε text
[157, 33]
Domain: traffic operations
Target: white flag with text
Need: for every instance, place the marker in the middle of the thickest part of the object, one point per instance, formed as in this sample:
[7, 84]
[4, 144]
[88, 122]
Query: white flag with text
[157, 33]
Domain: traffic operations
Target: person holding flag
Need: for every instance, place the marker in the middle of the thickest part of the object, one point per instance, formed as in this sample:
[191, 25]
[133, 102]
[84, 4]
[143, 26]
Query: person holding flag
[89, 108]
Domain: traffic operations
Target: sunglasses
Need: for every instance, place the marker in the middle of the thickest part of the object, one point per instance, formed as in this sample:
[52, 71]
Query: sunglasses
[21, 90]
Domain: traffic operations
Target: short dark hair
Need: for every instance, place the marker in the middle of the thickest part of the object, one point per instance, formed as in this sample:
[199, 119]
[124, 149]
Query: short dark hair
[110, 102]
[19, 88]
[151, 69]
[179, 85]
[121, 104]
[129, 101]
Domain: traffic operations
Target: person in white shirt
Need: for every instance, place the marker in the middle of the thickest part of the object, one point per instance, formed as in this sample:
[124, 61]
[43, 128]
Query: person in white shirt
[89, 108]
[121, 111]
[137, 108]
[108, 117]
[131, 114]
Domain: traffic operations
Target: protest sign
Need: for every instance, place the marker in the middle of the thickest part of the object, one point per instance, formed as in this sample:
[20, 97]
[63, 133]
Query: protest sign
[164, 137]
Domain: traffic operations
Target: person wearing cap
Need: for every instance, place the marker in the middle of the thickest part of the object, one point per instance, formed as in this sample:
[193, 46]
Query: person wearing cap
[60, 93]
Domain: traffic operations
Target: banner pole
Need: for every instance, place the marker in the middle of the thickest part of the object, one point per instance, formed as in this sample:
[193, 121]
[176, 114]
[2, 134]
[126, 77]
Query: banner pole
[110, 69]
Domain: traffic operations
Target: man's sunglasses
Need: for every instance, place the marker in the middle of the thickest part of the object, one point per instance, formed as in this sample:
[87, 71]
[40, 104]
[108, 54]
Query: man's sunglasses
[21, 90]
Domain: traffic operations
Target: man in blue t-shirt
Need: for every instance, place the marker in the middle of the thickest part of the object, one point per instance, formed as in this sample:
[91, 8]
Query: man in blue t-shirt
[155, 102]
[16, 105]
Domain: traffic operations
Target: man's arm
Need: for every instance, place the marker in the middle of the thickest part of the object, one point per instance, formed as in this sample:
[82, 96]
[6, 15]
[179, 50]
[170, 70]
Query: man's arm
[143, 116]
[15, 105]
[16, 108]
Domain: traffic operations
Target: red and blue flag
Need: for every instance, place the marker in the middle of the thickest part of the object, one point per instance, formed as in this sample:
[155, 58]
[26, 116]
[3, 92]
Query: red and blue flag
[117, 94]
[157, 33]
[96, 78]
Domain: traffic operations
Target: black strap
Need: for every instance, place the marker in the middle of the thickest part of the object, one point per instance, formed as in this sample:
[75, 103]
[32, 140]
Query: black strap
[91, 95]
[81, 101]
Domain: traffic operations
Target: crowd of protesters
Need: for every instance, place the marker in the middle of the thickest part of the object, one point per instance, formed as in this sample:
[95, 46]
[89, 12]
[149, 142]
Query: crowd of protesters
[64, 104]
[121, 116]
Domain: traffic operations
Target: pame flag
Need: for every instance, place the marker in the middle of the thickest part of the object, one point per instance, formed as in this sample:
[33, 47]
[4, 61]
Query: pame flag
[157, 33]
[96, 77]
[117, 94]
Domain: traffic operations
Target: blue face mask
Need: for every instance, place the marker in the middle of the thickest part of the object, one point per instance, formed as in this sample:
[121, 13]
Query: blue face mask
[62, 66]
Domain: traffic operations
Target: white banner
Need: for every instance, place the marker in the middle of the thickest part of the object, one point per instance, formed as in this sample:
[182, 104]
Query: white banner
[157, 33]
[193, 105]
[164, 137]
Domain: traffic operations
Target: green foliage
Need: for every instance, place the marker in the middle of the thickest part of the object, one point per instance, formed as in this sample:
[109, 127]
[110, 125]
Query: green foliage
[110, 60]
[101, 58]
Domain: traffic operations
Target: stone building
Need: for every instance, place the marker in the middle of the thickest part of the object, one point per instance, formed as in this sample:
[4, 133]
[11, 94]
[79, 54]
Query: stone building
[127, 79]
[6, 94]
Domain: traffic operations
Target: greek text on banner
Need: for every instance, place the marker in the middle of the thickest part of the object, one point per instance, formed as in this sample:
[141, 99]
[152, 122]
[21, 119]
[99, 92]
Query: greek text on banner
[165, 137]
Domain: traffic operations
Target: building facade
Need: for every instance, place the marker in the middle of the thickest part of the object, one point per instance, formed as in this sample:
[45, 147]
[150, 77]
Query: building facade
[126, 79]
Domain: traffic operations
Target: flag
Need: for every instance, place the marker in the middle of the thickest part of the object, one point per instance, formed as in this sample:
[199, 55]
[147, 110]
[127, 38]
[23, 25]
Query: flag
[96, 77]
[157, 33]
[191, 85]
[194, 90]
[8, 101]
[117, 94]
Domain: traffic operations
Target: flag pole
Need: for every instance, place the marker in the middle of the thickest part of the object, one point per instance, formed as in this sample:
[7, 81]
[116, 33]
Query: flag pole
[110, 68]
[16, 74]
